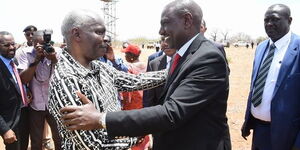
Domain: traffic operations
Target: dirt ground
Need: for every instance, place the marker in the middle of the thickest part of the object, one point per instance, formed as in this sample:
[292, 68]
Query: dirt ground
[240, 62]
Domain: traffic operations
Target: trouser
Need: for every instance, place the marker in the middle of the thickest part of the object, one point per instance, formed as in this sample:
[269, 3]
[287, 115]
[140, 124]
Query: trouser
[37, 120]
[24, 128]
[225, 143]
[261, 136]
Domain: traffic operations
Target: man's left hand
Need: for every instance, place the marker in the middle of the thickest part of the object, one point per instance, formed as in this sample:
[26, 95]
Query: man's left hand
[51, 56]
[110, 54]
[85, 117]
[29, 96]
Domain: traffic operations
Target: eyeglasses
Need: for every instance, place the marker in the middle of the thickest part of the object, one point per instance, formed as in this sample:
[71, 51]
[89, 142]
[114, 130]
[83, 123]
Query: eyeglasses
[8, 44]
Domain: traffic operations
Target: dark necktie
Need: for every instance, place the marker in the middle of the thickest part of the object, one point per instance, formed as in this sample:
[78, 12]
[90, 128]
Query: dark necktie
[19, 82]
[175, 62]
[262, 76]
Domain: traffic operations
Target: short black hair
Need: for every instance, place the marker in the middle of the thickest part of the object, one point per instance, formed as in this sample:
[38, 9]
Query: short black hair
[30, 28]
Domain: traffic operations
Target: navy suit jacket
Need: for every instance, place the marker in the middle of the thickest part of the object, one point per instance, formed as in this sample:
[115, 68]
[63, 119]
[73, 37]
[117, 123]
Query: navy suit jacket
[285, 105]
[10, 100]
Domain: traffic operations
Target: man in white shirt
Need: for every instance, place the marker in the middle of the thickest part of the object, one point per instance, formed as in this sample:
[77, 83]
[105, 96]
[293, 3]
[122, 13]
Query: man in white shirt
[273, 102]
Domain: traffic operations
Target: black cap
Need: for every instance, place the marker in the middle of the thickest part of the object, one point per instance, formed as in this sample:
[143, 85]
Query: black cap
[30, 28]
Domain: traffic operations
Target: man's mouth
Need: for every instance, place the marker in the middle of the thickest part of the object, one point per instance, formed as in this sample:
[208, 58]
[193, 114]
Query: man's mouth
[103, 46]
[11, 52]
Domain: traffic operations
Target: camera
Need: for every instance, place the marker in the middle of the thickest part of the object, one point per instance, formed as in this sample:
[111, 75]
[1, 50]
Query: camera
[47, 41]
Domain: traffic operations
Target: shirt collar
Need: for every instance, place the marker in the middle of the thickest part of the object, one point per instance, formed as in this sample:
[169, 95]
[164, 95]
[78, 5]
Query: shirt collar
[282, 41]
[184, 48]
[81, 70]
[6, 60]
[168, 59]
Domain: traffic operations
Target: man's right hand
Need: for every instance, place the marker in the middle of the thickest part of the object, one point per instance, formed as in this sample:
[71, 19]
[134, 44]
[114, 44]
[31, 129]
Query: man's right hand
[9, 137]
[39, 52]
[245, 133]
[85, 117]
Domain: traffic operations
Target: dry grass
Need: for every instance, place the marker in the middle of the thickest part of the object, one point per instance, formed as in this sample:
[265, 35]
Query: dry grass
[241, 66]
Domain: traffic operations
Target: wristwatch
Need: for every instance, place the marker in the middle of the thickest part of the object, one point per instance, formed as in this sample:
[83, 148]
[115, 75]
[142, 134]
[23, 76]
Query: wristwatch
[102, 121]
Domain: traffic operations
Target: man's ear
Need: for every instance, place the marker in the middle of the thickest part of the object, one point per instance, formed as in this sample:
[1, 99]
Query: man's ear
[188, 20]
[76, 34]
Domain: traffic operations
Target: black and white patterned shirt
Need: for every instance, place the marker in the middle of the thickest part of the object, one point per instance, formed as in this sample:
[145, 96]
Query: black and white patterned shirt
[101, 85]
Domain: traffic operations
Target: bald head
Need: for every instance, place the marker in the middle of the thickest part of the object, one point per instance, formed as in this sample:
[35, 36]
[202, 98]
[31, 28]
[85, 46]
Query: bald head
[181, 7]
[78, 19]
[285, 10]
[277, 21]
[180, 21]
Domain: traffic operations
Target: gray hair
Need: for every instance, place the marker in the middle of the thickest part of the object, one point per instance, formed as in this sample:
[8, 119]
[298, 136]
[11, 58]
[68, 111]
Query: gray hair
[78, 19]
[2, 33]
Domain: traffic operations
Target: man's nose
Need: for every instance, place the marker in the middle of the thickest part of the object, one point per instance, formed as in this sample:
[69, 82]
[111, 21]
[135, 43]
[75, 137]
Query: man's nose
[12, 47]
[161, 31]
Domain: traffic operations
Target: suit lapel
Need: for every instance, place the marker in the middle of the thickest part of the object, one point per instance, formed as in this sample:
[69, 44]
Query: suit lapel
[162, 63]
[183, 60]
[9, 76]
[287, 63]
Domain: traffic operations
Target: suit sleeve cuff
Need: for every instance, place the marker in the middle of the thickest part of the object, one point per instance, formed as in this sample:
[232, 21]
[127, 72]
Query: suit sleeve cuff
[297, 141]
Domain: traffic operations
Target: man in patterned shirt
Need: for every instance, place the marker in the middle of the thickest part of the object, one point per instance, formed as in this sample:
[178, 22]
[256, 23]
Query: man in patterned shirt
[78, 70]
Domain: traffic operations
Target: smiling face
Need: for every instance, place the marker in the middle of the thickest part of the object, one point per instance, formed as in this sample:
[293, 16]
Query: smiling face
[7, 46]
[92, 43]
[172, 28]
[180, 21]
[277, 22]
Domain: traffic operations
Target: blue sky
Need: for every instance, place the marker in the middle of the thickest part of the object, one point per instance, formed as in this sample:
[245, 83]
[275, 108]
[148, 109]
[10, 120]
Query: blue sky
[140, 18]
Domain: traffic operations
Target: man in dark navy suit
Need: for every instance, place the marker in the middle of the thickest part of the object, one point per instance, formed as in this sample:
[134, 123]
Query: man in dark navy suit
[10, 93]
[274, 100]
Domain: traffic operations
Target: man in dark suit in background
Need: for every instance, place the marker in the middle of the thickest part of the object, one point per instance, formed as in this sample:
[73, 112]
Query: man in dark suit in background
[192, 110]
[274, 99]
[10, 93]
[203, 29]
[155, 55]
[151, 97]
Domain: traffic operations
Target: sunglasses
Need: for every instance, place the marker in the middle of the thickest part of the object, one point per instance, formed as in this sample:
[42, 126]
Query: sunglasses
[8, 44]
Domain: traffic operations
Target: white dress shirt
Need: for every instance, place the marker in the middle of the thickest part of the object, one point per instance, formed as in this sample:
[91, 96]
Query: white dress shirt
[184, 48]
[262, 111]
[168, 62]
